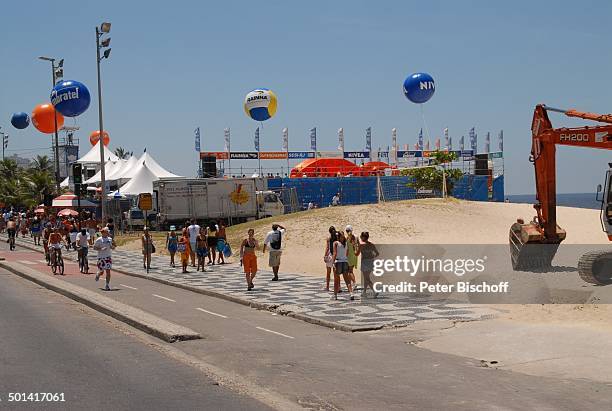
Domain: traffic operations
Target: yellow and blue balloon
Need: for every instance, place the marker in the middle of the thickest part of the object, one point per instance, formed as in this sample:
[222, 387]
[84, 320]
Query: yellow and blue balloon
[260, 104]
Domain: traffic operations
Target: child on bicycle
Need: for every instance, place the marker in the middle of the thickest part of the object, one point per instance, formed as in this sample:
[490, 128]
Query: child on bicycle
[82, 244]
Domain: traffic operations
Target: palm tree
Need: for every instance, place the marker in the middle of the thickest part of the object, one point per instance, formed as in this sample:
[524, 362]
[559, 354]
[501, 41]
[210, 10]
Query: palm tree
[122, 153]
[38, 184]
[42, 163]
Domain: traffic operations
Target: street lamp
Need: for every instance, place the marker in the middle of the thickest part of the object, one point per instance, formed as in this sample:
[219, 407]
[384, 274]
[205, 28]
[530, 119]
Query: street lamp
[57, 72]
[100, 31]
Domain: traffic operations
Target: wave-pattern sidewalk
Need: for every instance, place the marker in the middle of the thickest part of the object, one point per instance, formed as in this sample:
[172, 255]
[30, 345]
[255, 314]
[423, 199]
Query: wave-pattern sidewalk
[296, 295]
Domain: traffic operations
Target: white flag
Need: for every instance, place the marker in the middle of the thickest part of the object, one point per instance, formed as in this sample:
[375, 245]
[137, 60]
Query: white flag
[341, 139]
[226, 134]
[285, 139]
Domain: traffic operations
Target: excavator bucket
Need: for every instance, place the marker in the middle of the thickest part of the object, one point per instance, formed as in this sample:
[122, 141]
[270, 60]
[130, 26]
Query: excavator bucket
[528, 250]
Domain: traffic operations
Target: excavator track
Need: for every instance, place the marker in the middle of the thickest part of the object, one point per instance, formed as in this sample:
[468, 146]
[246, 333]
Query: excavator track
[595, 267]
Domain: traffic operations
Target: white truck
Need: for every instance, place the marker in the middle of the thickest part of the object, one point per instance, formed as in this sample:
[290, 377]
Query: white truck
[234, 200]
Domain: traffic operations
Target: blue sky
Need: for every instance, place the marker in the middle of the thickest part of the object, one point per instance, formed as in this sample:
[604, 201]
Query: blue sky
[182, 64]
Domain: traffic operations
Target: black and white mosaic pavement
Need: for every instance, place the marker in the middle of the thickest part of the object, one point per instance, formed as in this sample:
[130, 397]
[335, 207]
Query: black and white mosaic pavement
[296, 293]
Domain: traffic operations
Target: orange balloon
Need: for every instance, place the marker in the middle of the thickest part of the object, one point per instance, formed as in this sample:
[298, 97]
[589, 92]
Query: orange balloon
[42, 118]
[94, 137]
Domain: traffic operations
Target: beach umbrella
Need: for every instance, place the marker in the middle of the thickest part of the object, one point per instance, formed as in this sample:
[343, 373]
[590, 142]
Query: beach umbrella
[66, 212]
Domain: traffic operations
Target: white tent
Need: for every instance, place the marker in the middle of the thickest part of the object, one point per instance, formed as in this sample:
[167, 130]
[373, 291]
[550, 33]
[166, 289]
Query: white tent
[93, 156]
[152, 165]
[109, 168]
[124, 169]
[141, 181]
[65, 183]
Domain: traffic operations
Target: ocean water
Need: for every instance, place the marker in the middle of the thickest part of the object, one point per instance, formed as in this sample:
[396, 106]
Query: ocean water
[580, 200]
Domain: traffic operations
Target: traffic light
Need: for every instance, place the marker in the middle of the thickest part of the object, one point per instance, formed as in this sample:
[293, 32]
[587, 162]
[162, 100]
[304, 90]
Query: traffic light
[80, 190]
[5, 140]
[77, 174]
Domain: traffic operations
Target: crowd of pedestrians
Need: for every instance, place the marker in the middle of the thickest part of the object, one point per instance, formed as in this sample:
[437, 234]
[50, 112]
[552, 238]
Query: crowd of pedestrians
[198, 246]
[342, 251]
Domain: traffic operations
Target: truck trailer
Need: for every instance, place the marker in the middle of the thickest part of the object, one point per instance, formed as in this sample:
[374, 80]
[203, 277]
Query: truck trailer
[235, 200]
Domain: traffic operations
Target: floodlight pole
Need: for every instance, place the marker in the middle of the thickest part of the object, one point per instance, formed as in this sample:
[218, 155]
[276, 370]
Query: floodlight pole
[56, 148]
[101, 129]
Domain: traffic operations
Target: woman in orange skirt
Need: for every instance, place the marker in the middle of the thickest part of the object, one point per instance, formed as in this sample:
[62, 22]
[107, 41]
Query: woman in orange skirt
[248, 259]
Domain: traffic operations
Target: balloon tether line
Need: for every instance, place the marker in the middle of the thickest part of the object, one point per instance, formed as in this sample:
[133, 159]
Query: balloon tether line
[424, 122]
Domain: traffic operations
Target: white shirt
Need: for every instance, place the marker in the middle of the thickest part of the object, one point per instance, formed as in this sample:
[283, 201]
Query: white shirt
[82, 240]
[335, 200]
[103, 246]
[194, 230]
[270, 236]
[340, 252]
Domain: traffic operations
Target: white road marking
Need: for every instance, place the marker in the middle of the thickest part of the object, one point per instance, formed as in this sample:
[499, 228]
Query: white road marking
[127, 286]
[274, 332]
[164, 298]
[210, 312]
[27, 262]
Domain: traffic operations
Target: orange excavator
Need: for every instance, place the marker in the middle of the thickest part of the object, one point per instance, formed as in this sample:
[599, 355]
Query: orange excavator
[534, 245]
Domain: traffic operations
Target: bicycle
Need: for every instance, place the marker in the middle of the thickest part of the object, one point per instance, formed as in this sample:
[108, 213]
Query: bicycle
[83, 261]
[57, 262]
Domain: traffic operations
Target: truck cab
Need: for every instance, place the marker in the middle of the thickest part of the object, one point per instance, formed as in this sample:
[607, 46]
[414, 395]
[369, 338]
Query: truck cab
[135, 218]
[269, 204]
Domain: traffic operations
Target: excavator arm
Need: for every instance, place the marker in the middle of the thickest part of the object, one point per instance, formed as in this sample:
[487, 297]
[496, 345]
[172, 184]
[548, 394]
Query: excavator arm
[526, 240]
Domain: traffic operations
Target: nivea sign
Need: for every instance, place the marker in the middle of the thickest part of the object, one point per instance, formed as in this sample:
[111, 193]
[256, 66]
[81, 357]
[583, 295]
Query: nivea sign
[71, 98]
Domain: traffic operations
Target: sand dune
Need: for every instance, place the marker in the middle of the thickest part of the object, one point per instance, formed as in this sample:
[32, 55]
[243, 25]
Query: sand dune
[431, 221]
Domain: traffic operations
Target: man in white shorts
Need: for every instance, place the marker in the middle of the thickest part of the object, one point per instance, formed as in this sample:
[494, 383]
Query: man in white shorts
[274, 240]
[104, 246]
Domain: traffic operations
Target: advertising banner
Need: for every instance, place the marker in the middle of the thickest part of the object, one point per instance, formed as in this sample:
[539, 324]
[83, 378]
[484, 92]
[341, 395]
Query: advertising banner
[221, 155]
[273, 155]
[356, 154]
[301, 154]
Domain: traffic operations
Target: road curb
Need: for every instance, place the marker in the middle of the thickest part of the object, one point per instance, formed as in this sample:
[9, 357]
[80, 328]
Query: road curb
[149, 323]
[252, 304]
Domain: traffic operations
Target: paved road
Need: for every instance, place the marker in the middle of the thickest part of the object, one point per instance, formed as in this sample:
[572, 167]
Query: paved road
[327, 369]
[51, 344]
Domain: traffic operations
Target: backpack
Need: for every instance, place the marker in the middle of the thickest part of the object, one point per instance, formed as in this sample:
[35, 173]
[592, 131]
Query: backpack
[275, 243]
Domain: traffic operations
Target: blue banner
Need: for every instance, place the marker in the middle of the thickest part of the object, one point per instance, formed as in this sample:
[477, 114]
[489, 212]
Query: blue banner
[409, 154]
[356, 154]
[257, 139]
[368, 146]
[197, 139]
[301, 154]
[313, 139]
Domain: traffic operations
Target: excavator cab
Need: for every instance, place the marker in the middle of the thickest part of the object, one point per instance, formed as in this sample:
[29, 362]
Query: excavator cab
[606, 204]
[595, 267]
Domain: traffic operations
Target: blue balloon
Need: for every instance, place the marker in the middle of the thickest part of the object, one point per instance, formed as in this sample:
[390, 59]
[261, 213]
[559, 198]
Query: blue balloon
[20, 120]
[419, 87]
[70, 98]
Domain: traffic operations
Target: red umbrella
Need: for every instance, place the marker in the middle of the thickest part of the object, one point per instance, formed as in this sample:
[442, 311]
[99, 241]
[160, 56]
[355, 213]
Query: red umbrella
[39, 211]
[67, 212]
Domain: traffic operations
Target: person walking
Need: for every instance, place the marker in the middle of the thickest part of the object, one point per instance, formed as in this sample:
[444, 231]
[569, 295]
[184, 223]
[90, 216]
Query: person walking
[110, 224]
[147, 248]
[193, 230]
[248, 258]
[274, 240]
[368, 253]
[183, 248]
[201, 250]
[341, 262]
[352, 247]
[221, 238]
[104, 246]
[172, 244]
[328, 255]
[36, 229]
[211, 239]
